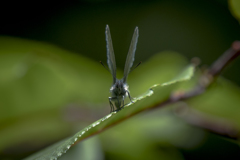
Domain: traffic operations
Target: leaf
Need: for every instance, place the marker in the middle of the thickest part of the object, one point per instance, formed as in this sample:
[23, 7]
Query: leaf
[38, 81]
[156, 95]
[85, 150]
[138, 137]
[41, 84]
[234, 6]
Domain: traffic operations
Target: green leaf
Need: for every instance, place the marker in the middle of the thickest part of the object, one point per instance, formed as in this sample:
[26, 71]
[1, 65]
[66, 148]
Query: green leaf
[156, 95]
[138, 137]
[234, 6]
[37, 80]
[39, 84]
[85, 150]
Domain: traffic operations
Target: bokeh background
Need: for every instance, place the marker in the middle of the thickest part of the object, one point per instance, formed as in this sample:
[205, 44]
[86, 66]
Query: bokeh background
[52, 85]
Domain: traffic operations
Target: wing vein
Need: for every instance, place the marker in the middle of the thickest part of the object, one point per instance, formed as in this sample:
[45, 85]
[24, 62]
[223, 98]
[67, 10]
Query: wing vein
[110, 54]
[131, 54]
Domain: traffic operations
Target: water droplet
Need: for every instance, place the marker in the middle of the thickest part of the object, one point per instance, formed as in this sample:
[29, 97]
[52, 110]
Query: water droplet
[155, 85]
[68, 146]
[108, 116]
[83, 132]
[59, 154]
[75, 139]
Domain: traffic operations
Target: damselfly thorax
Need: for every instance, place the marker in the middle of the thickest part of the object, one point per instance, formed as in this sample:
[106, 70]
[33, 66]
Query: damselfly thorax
[119, 91]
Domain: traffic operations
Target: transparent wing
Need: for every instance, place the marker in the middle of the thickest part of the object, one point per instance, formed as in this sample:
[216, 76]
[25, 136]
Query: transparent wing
[131, 55]
[110, 54]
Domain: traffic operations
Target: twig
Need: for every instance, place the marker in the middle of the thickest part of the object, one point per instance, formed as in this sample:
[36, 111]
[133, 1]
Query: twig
[208, 77]
[225, 59]
[199, 119]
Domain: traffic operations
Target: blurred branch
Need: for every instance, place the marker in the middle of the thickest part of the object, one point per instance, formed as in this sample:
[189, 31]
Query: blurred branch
[216, 125]
[225, 59]
[210, 74]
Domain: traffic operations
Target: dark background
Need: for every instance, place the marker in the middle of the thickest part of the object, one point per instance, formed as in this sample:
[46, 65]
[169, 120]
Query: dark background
[200, 28]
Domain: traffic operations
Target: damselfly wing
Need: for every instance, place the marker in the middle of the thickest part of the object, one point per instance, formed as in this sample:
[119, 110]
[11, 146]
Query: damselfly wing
[119, 90]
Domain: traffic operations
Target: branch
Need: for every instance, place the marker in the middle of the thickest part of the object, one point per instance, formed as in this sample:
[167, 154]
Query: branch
[209, 76]
[231, 54]
[215, 125]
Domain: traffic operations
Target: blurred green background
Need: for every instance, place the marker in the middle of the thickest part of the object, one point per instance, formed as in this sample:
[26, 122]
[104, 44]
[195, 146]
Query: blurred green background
[51, 84]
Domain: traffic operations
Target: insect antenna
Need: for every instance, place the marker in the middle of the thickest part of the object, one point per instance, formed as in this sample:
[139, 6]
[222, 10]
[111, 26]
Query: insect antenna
[136, 66]
[104, 66]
